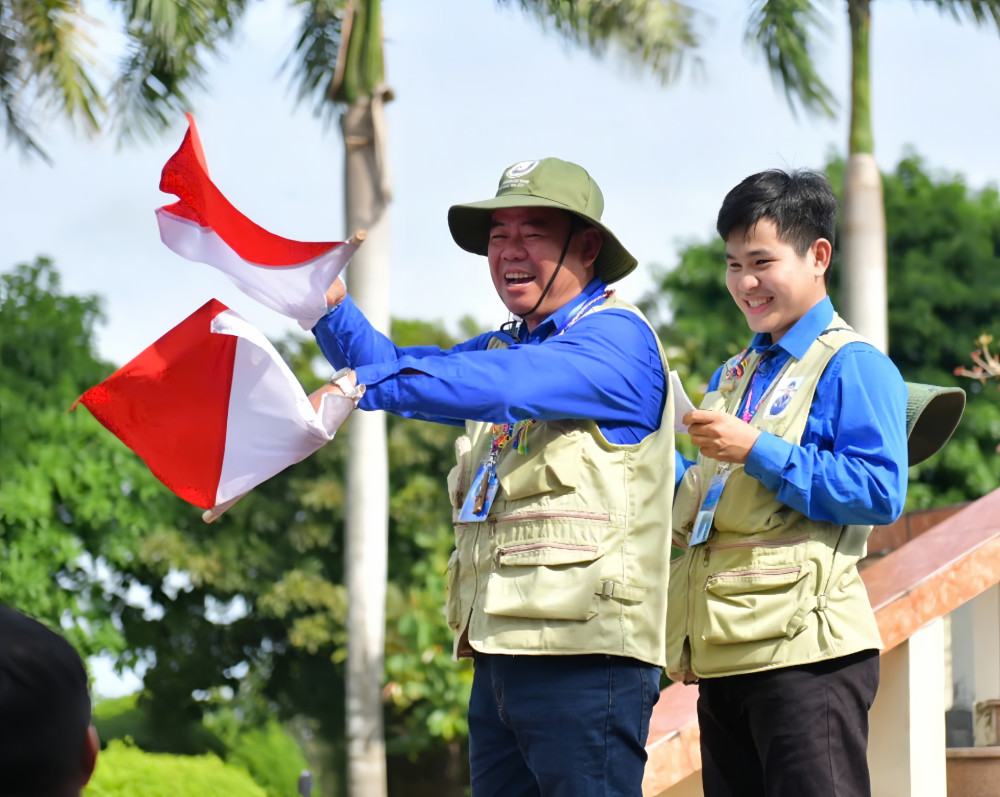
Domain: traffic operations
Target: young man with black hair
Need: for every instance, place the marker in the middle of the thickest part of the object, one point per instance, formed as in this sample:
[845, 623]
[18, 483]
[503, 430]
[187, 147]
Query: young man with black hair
[48, 748]
[802, 449]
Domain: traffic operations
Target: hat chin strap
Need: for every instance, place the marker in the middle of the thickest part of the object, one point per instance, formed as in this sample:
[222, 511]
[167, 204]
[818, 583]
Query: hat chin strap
[569, 238]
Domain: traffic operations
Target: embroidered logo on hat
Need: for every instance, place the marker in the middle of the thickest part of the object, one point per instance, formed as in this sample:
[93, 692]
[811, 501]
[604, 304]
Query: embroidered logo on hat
[521, 169]
[513, 177]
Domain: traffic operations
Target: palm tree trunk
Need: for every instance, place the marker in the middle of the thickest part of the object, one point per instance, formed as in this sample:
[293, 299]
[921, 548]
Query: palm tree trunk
[367, 505]
[864, 295]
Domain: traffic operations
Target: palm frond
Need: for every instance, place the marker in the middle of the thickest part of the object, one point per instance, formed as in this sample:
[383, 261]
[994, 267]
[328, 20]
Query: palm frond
[655, 34]
[16, 122]
[314, 60]
[982, 12]
[786, 31]
[44, 63]
[168, 46]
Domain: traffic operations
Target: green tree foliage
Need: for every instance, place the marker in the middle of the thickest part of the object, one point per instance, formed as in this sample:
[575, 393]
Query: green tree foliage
[944, 253]
[74, 502]
[125, 771]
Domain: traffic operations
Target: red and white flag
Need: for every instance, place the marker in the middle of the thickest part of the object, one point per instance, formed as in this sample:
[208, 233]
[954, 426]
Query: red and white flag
[213, 410]
[288, 276]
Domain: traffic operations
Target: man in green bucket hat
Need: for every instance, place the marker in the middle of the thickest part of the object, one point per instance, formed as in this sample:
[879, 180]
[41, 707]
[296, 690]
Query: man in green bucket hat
[557, 586]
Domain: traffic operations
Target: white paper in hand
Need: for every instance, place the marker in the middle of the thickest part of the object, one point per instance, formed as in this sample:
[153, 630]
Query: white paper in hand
[682, 404]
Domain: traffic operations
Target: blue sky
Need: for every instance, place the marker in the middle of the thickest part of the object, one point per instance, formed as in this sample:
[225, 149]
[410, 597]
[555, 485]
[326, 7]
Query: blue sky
[477, 89]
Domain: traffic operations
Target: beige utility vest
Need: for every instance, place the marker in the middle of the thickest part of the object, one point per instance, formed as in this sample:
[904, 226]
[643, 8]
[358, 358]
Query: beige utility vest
[770, 587]
[573, 556]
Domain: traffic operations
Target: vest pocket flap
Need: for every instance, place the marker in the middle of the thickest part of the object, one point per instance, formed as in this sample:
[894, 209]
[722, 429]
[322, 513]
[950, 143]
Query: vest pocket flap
[522, 476]
[549, 581]
[757, 604]
[545, 553]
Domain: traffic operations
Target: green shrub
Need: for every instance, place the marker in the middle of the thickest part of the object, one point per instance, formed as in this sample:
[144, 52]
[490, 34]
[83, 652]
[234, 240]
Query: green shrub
[265, 751]
[271, 756]
[126, 771]
[131, 717]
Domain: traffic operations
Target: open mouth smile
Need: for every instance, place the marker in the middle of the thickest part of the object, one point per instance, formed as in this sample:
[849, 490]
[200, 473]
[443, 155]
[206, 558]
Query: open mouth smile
[517, 278]
[758, 304]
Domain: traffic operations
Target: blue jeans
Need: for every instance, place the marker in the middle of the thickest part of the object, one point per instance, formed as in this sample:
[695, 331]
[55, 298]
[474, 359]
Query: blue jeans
[560, 726]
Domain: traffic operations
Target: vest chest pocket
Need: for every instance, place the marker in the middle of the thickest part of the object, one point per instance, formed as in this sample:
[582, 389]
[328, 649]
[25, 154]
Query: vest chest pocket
[545, 469]
[753, 605]
[544, 580]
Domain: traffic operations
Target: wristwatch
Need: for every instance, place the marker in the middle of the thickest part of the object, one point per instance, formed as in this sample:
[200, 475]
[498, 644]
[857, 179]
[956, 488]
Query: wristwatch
[342, 379]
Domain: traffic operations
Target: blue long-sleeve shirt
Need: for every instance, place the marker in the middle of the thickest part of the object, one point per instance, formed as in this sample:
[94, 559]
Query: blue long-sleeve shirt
[851, 464]
[604, 367]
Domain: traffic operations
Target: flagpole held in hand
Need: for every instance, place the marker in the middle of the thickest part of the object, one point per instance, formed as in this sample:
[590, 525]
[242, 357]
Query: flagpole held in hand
[220, 509]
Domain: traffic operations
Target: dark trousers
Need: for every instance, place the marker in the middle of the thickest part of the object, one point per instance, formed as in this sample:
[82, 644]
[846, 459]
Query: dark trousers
[560, 726]
[791, 732]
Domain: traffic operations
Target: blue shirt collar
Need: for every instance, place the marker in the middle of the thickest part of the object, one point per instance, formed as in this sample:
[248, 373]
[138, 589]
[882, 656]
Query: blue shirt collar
[562, 316]
[803, 333]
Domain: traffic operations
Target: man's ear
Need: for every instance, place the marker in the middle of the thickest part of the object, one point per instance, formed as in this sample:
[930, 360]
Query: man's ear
[822, 252]
[592, 241]
[91, 747]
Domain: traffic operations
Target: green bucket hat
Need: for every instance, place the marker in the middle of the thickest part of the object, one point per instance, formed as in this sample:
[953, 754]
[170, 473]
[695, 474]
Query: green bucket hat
[932, 415]
[545, 183]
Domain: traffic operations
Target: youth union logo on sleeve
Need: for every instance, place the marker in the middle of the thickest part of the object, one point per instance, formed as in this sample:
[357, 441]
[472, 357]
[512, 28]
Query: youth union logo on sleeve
[783, 393]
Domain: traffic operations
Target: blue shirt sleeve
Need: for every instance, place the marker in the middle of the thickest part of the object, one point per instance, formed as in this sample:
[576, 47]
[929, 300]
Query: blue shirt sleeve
[851, 466]
[605, 367]
[348, 340]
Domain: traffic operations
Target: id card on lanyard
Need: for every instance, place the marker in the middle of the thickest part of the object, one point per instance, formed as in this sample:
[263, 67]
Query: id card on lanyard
[480, 497]
[706, 513]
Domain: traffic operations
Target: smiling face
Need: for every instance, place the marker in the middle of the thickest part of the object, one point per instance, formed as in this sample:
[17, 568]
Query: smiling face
[523, 252]
[771, 283]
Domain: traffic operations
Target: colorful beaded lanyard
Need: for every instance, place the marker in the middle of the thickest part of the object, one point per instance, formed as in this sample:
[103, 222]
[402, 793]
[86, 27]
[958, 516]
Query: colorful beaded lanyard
[517, 432]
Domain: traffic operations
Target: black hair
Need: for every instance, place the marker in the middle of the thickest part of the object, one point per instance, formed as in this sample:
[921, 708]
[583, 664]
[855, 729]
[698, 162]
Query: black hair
[44, 709]
[801, 204]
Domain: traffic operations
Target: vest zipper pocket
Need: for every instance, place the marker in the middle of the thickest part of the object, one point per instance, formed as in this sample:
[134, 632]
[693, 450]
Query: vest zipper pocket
[754, 605]
[512, 550]
[545, 580]
[552, 514]
[754, 544]
[774, 571]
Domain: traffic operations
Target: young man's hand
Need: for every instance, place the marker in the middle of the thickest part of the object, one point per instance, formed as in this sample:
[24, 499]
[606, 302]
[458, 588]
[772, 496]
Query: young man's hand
[721, 436]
